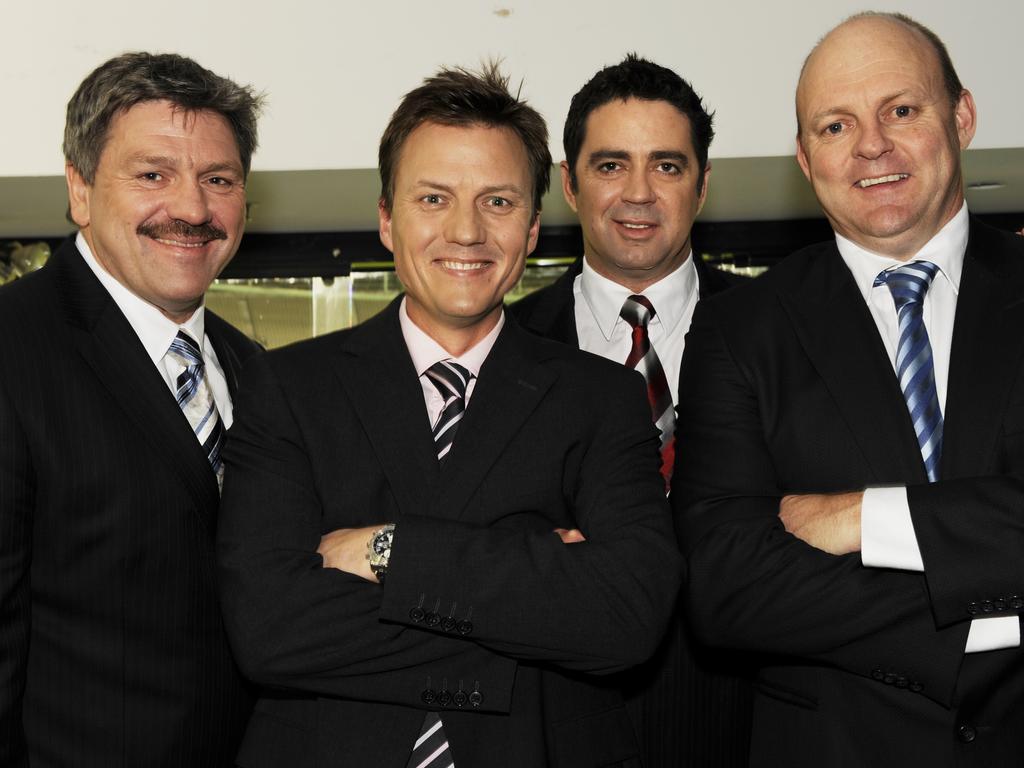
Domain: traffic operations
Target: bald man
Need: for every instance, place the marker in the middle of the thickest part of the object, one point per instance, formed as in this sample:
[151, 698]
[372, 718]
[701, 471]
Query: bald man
[849, 497]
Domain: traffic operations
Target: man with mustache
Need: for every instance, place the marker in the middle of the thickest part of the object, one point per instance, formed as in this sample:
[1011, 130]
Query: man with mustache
[851, 502]
[636, 171]
[401, 546]
[115, 393]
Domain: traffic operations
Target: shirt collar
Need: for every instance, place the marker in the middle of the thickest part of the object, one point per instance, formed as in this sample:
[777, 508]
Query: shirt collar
[154, 329]
[946, 250]
[668, 296]
[424, 351]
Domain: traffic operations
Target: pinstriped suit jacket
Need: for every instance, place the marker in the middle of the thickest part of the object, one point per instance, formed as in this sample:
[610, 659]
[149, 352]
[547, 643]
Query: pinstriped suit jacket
[112, 651]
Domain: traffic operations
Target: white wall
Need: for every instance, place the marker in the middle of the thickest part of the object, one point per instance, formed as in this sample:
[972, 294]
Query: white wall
[333, 70]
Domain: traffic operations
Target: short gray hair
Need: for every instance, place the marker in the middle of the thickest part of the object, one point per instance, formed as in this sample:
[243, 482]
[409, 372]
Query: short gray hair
[132, 78]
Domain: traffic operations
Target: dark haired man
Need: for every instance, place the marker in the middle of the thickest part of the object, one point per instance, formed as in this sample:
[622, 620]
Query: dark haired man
[115, 391]
[436, 537]
[851, 497]
[636, 171]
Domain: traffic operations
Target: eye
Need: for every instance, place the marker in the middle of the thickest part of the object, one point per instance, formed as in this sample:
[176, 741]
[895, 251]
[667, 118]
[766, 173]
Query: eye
[834, 129]
[151, 176]
[498, 202]
[903, 111]
[609, 167]
[431, 199]
[667, 167]
[220, 181]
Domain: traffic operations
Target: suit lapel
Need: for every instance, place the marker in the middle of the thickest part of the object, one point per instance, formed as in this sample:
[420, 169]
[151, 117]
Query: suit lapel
[113, 351]
[375, 369]
[554, 314]
[838, 334]
[985, 355]
[510, 387]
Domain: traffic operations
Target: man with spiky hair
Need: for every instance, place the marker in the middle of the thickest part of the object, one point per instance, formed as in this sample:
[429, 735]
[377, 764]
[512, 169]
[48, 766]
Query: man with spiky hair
[437, 539]
[851, 500]
[636, 172]
[115, 391]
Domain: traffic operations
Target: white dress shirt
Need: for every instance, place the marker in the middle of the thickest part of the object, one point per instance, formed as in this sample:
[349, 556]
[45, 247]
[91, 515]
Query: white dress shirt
[887, 529]
[424, 352]
[599, 300]
[156, 332]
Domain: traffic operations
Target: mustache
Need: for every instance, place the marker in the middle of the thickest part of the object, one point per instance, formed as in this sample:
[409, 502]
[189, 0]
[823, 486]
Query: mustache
[177, 229]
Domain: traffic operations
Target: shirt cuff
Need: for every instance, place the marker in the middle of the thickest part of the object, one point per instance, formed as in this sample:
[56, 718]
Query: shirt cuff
[992, 634]
[887, 538]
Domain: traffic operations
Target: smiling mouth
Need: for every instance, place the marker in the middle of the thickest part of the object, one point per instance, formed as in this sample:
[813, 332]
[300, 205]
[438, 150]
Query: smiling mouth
[865, 183]
[463, 266]
[638, 226]
[182, 243]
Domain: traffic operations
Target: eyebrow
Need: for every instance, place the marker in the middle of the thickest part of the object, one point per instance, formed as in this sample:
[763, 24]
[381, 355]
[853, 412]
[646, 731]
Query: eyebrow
[170, 162]
[620, 154]
[494, 188]
[838, 110]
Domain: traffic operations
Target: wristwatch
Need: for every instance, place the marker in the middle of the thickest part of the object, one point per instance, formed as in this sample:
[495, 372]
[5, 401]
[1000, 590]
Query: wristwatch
[378, 550]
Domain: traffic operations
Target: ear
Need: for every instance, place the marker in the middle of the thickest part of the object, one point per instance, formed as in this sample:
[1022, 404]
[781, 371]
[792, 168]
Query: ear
[531, 242]
[704, 188]
[384, 221]
[966, 117]
[78, 195]
[570, 196]
[801, 158]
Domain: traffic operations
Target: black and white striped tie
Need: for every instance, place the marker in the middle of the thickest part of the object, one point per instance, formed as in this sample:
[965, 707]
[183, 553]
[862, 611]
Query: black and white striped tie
[196, 400]
[450, 379]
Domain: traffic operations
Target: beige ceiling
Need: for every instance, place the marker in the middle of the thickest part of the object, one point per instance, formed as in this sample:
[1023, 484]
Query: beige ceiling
[742, 189]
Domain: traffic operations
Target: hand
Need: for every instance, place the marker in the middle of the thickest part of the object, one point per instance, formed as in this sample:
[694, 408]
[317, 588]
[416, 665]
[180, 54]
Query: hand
[346, 549]
[828, 521]
[570, 535]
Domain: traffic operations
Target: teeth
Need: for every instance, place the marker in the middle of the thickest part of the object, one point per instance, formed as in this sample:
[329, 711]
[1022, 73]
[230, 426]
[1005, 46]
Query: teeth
[464, 266]
[627, 225]
[178, 244]
[865, 183]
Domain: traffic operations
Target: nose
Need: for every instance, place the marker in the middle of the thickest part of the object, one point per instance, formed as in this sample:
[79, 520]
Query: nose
[463, 224]
[638, 189]
[188, 202]
[872, 140]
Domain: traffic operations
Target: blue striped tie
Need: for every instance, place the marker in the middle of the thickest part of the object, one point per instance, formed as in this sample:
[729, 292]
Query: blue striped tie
[914, 366]
[196, 400]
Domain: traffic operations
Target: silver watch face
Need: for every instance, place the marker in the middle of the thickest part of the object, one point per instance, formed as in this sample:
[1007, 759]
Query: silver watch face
[382, 543]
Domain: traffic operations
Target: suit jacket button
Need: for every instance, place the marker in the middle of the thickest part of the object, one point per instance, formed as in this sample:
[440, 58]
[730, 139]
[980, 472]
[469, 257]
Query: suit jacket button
[1000, 604]
[889, 678]
[915, 686]
[428, 697]
[476, 698]
[444, 698]
[416, 614]
[973, 609]
[1016, 602]
[877, 673]
[432, 619]
[460, 698]
[987, 606]
[465, 627]
[902, 682]
[447, 623]
[967, 734]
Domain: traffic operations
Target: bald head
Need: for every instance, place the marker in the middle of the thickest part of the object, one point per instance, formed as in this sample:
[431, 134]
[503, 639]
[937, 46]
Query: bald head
[881, 130]
[895, 23]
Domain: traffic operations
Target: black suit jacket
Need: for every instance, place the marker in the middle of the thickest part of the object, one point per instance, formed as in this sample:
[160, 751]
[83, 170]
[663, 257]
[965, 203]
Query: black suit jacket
[481, 597]
[112, 651]
[690, 704]
[869, 665]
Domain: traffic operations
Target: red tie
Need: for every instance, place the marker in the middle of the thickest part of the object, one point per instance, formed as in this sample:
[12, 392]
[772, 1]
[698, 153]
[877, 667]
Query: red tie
[638, 311]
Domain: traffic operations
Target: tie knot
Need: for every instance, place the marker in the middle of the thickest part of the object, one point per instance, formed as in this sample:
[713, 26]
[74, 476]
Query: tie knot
[186, 349]
[908, 283]
[450, 379]
[637, 311]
